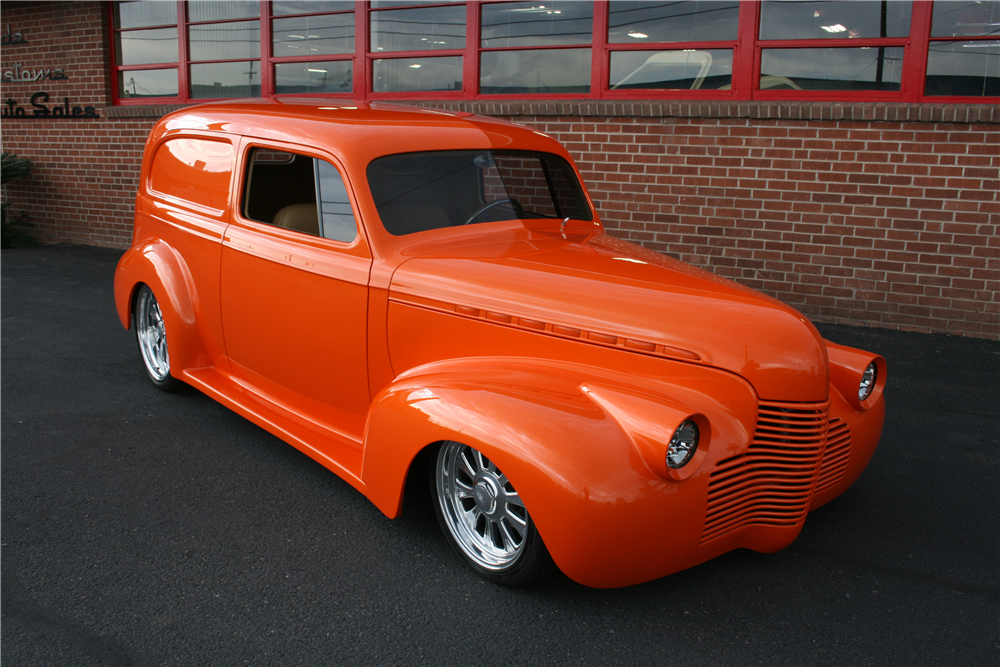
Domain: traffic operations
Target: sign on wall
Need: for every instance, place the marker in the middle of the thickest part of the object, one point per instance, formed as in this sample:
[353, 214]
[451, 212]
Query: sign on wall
[43, 106]
[19, 74]
[9, 38]
[40, 104]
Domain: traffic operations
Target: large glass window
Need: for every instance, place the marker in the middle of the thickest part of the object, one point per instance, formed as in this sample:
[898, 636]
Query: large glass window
[857, 19]
[650, 29]
[832, 69]
[646, 21]
[969, 66]
[421, 29]
[225, 53]
[146, 34]
[407, 32]
[966, 19]
[312, 47]
[856, 50]
[329, 76]
[877, 66]
[326, 34]
[544, 69]
[417, 74]
[689, 69]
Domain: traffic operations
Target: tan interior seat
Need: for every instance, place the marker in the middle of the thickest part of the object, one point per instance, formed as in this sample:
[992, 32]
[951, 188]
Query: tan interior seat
[300, 217]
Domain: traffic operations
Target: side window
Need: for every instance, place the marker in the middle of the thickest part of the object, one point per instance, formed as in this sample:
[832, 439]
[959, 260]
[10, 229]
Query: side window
[297, 192]
[195, 170]
[337, 217]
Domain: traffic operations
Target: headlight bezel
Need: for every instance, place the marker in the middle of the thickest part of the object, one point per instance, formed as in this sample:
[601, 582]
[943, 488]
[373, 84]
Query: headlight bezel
[869, 380]
[683, 444]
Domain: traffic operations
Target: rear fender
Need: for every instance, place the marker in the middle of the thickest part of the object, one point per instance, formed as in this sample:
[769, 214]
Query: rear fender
[159, 266]
[579, 444]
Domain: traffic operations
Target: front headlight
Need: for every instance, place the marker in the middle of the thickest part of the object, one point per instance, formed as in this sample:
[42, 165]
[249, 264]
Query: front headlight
[868, 381]
[683, 444]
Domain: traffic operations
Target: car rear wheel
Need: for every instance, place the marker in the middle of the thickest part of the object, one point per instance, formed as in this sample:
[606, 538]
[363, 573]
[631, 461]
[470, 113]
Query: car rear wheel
[151, 336]
[485, 519]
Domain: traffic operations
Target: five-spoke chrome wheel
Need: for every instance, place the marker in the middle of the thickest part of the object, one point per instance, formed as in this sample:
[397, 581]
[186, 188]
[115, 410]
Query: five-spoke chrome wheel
[485, 517]
[151, 334]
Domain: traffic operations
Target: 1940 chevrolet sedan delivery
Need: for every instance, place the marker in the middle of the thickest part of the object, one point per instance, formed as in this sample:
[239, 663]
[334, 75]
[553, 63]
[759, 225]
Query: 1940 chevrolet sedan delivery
[373, 282]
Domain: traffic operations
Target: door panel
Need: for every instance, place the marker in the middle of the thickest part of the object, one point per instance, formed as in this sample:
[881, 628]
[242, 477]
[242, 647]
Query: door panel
[294, 310]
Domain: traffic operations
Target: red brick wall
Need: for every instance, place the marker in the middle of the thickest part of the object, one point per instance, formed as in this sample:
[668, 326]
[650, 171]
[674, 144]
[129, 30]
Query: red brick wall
[879, 223]
[874, 214]
[86, 174]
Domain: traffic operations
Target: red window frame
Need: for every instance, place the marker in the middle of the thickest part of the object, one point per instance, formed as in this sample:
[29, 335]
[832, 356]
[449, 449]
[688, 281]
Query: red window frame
[747, 49]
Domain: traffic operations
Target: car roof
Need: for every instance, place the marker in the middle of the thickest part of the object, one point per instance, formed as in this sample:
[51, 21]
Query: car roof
[356, 131]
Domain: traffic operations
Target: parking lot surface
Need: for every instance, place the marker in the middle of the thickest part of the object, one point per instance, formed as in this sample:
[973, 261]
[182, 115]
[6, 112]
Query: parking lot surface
[144, 528]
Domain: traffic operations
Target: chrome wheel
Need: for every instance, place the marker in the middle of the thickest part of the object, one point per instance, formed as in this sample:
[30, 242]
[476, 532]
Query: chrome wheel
[152, 335]
[480, 508]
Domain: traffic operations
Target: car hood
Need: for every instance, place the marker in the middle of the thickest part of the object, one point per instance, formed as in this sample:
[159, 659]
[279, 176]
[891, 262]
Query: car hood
[610, 291]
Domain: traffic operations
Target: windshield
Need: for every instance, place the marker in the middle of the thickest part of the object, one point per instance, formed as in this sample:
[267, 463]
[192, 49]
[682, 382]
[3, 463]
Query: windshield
[415, 192]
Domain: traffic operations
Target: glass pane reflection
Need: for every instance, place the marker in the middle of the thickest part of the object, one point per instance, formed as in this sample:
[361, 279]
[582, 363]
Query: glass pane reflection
[223, 41]
[643, 21]
[966, 19]
[148, 83]
[142, 14]
[335, 76]
[147, 47]
[874, 68]
[338, 216]
[403, 3]
[223, 80]
[672, 70]
[314, 35]
[416, 74]
[535, 71]
[279, 8]
[433, 28]
[964, 68]
[793, 19]
[530, 24]
[221, 10]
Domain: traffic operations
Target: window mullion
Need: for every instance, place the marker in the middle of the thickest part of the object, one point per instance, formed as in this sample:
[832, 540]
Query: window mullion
[746, 54]
[470, 67]
[115, 56]
[266, 51]
[599, 51]
[362, 42]
[915, 57]
[183, 68]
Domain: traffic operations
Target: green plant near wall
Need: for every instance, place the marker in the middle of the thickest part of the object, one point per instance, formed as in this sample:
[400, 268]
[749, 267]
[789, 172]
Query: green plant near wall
[13, 167]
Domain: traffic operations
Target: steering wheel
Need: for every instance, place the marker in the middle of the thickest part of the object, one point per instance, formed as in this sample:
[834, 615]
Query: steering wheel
[513, 203]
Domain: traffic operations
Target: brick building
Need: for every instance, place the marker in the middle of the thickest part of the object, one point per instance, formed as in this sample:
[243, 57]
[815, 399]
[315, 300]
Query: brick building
[865, 199]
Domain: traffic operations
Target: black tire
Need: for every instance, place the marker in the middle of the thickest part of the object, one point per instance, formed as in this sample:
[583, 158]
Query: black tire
[151, 338]
[484, 519]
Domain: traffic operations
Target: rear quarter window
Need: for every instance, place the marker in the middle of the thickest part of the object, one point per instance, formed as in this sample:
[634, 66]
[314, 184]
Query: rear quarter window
[193, 170]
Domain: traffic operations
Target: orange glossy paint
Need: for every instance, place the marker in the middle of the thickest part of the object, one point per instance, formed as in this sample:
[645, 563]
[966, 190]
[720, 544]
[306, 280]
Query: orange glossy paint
[566, 356]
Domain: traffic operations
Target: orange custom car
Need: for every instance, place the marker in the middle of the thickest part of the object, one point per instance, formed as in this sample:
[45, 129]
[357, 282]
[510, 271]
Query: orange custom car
[373, 282]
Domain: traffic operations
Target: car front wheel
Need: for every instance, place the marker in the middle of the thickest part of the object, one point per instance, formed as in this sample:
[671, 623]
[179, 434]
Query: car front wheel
[485, 519]
[151, 335]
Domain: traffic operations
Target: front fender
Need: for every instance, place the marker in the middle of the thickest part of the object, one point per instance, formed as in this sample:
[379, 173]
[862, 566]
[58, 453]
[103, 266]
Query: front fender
[575, 443]
[161, 267]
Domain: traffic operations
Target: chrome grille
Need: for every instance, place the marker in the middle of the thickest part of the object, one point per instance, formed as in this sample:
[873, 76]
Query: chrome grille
[835, 456]
[772, 482]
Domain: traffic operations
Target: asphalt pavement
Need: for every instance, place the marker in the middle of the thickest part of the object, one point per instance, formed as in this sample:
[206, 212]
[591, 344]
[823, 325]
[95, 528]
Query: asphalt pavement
[144, 528]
